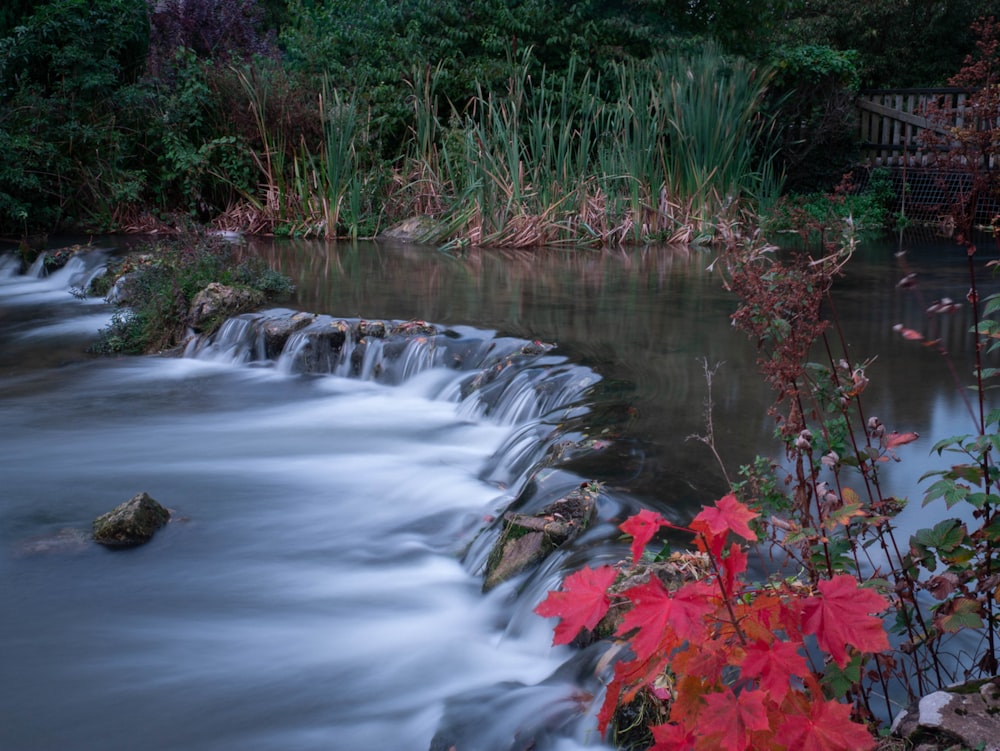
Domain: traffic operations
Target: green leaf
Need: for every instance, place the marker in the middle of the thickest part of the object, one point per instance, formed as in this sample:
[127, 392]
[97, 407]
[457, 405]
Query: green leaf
[991, 531]
[992, 305]
[956, 494]
[952, 444]
[837, 681]
[979, 500]
[945, 536]
[954, 615]
[988, 327]
[946, 488]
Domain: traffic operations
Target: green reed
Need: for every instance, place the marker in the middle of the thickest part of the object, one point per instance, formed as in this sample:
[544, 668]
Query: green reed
[677, 149]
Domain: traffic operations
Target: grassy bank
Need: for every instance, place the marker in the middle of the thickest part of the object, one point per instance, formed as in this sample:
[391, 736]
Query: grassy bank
[676, 154]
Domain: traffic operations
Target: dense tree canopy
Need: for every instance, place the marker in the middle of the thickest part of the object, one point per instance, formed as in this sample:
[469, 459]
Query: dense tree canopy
[146, 100]
[899, 42]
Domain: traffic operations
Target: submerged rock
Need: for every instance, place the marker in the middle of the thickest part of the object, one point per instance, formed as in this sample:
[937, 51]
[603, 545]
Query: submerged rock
[966, 716]
[65, 541]
[527, 539]
[131, 523]
[416, 229]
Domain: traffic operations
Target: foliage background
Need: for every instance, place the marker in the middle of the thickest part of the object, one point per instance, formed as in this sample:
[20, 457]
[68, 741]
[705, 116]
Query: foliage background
[118, 113]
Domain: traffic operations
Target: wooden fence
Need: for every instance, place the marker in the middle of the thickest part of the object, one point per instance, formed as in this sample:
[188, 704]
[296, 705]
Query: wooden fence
[893, 123]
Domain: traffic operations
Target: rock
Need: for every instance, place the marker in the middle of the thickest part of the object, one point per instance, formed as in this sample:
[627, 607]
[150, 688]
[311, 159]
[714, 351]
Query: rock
[416, 229]
[277, 331]
[527, 539]
[131, 523]
[415, 328]
[371, 329]
[319, 349]
[217, 302]
[965, 716]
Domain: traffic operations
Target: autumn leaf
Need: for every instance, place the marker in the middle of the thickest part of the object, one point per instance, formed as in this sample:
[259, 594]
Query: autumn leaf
[908, 333]
[954, 615]
[895, 438]
[840, 616]
[581, 604]
[610, 706]
[672, 737]
[942, 585]
[731, 718]
[658, 617]
[731, 567]
[827, 727]
[707, 660]
[842, 516]
[726, 515]
[642, 527]
[775, 665]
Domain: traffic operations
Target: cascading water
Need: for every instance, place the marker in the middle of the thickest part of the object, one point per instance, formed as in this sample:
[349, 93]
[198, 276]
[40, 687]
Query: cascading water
[336, 485]
[332, 482]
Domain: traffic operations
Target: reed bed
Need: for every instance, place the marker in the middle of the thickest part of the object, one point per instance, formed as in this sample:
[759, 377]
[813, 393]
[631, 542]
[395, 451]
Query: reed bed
[675, 153]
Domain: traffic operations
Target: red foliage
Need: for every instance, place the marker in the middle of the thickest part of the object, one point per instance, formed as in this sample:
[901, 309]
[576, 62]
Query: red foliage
[840, 617]
[642, 527]
[826, 727]
[734, 654]
[581, 604]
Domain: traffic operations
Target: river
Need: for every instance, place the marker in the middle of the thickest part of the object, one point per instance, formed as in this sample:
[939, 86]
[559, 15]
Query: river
[319, 586]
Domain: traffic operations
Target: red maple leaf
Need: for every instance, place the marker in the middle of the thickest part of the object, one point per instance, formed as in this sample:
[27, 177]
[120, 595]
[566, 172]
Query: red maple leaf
[730, 568]
[661, 619]
[828, 727]
[672, 737]
[727, 515]
[581, 604]
[775, 665]
[642, 527]
[731, 718]
[840, 615]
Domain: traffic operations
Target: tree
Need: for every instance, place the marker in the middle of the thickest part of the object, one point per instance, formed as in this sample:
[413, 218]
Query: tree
[899, 42]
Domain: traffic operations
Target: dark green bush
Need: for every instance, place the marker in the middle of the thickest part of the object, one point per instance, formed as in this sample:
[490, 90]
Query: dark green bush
[62, 74]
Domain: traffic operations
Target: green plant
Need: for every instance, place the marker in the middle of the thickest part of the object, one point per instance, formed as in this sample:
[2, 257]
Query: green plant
[845, 210]
[155, 289]
[678, 152]
[62, 72]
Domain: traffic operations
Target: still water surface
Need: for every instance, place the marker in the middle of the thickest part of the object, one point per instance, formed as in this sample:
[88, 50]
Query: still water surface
[319, 588]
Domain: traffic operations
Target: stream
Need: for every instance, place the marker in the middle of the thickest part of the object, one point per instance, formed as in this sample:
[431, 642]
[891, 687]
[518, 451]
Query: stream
[319, 587]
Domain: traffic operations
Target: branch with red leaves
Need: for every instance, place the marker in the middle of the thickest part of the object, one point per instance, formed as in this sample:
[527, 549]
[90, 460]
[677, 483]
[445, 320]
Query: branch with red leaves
[733, 653]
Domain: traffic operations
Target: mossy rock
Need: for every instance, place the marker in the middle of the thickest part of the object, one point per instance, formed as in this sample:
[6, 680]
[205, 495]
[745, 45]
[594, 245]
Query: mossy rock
[131, 523]
[527, 539]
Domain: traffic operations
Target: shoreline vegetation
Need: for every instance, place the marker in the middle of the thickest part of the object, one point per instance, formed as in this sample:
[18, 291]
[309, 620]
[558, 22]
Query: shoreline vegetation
[119, 116]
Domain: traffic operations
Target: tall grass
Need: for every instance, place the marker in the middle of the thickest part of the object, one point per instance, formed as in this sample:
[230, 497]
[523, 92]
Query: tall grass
[323, 189]
[674, 154]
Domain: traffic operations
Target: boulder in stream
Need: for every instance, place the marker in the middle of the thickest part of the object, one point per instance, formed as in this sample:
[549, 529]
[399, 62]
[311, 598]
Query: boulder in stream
[527, 539]
[131, 523]
[964, 716]
[217, 302]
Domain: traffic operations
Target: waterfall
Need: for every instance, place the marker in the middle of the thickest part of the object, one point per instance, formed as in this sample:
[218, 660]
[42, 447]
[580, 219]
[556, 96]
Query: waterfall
[337, 484]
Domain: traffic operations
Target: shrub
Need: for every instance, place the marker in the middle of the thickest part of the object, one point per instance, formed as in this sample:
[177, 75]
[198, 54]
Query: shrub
[154, 289]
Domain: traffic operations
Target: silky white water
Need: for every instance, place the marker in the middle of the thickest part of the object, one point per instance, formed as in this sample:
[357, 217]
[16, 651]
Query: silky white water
[309, 593]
